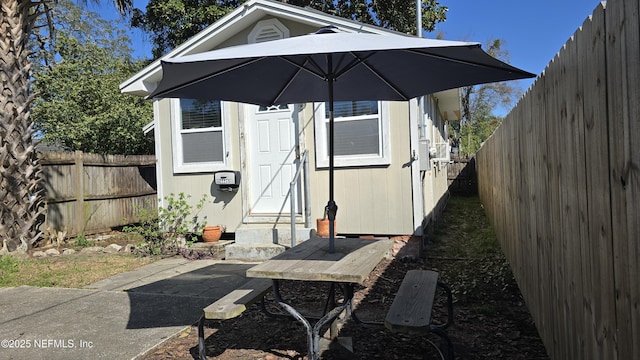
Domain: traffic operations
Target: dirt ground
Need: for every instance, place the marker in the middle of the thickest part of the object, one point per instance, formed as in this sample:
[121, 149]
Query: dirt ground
[491, 319]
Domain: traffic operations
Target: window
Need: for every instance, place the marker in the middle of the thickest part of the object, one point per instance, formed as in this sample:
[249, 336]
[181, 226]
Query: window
[276, 107]
[200, 139]
[361, 134]
[440, 147]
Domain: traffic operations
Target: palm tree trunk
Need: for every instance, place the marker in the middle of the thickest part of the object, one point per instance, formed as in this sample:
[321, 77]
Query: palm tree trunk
[21, 195]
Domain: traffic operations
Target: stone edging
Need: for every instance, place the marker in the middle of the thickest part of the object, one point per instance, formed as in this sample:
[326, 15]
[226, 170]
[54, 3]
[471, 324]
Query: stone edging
[109, 249]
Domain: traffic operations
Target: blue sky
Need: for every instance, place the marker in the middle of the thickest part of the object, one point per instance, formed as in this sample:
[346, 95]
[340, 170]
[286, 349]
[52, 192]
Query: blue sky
[534, 31]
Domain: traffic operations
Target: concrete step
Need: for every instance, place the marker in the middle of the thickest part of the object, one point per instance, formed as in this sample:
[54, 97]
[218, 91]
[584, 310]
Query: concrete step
[252, 252]
[269, 235]
[259, 243]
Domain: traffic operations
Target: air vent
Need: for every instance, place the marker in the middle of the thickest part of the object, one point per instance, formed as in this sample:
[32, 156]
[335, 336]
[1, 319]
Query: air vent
[268, 34]
[268, 30]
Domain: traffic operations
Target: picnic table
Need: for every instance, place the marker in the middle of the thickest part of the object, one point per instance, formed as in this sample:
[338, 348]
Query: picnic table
[350, 263]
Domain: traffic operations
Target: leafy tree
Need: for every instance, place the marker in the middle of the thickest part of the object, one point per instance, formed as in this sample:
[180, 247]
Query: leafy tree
[172, 22]
[398, 15]
[22, 205]
[79, 104]
[169, 23]
[478, 105]
[75, 21]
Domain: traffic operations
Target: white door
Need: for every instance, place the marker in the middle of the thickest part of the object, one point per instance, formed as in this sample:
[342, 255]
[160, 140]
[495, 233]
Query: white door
[271, 158]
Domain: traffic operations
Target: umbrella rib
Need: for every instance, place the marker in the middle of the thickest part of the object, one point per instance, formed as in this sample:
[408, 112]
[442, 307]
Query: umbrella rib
[286, 86]
[209, 76]
[357, 60]
[302, 66]
[466, 62]
[320, 73]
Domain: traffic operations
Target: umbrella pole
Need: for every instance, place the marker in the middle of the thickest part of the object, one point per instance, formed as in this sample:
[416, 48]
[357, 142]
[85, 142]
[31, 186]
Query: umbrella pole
[332, 208]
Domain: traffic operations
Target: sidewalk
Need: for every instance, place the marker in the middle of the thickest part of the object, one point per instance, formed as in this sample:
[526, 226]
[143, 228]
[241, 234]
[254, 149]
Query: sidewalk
[121, 317]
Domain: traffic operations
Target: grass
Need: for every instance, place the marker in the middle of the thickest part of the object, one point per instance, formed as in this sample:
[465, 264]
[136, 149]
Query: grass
[465, 221]
[73, 271]
[467, 250]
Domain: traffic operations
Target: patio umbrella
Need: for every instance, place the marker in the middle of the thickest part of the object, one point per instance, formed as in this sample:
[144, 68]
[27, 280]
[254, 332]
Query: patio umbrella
[329, 66]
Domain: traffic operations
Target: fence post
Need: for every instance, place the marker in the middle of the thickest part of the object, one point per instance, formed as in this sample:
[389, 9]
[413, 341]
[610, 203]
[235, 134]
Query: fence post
[79, 169]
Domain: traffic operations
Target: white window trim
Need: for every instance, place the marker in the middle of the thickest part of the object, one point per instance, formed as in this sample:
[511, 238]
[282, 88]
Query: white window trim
[176, 143]
[322, 151]
[440, 150]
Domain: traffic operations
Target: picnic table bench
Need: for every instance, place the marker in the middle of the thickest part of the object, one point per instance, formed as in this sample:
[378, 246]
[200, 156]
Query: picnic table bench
[411, 309]
[232, 305]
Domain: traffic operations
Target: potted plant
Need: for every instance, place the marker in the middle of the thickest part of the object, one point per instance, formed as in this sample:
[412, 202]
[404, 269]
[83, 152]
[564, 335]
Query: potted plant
[211, 234]
[322, 227]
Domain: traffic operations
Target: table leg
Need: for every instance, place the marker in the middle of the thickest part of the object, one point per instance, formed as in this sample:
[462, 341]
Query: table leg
[313, 332]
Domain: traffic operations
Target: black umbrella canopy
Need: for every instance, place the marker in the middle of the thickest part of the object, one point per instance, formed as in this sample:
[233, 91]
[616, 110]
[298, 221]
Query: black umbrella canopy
[330, 66]
[364, 67]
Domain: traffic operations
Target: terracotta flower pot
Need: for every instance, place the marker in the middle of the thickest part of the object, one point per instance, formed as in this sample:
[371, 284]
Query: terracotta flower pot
[322, 227]
[211, 234]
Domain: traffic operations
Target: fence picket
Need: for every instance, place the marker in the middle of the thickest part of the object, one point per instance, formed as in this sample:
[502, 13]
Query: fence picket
[88, 193]
[560, 183]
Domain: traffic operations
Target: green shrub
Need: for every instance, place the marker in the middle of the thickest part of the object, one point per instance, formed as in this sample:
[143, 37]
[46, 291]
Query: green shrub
[175, 225]
[81, 242]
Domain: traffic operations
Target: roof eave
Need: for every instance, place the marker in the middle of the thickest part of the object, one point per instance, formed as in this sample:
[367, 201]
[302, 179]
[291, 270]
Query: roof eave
[449, 104]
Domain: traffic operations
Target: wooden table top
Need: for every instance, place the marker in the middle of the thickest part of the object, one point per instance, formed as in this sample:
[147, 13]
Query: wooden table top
[352, 261]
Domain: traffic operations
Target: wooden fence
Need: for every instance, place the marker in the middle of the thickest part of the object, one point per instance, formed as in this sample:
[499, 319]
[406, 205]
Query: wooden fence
[461, 176]
[88, 193]
[560, 181]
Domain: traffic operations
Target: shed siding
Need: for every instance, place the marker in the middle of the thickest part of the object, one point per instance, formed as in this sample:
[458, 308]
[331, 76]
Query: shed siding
[371, 200]
[197, 184]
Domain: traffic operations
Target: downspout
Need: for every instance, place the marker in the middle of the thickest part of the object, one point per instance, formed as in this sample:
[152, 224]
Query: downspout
[421, 121]
[420, 99]
[419, 18]
[158, 152]
[435, 110]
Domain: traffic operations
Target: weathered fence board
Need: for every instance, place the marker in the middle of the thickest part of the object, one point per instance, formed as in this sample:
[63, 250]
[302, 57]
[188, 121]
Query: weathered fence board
[539, 205]
[560, 182]
[88, 193]
[557, 326]
[578, 200]
[623, 78]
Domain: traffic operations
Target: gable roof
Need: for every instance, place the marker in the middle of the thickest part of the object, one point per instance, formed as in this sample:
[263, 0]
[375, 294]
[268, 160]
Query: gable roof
[143, 82]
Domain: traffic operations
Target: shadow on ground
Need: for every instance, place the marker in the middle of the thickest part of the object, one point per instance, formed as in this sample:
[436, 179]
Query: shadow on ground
[179, 300]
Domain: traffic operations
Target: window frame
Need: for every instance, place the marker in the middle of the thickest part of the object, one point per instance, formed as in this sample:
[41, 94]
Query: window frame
[384, 138]
[439, 141]
[179, 166]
